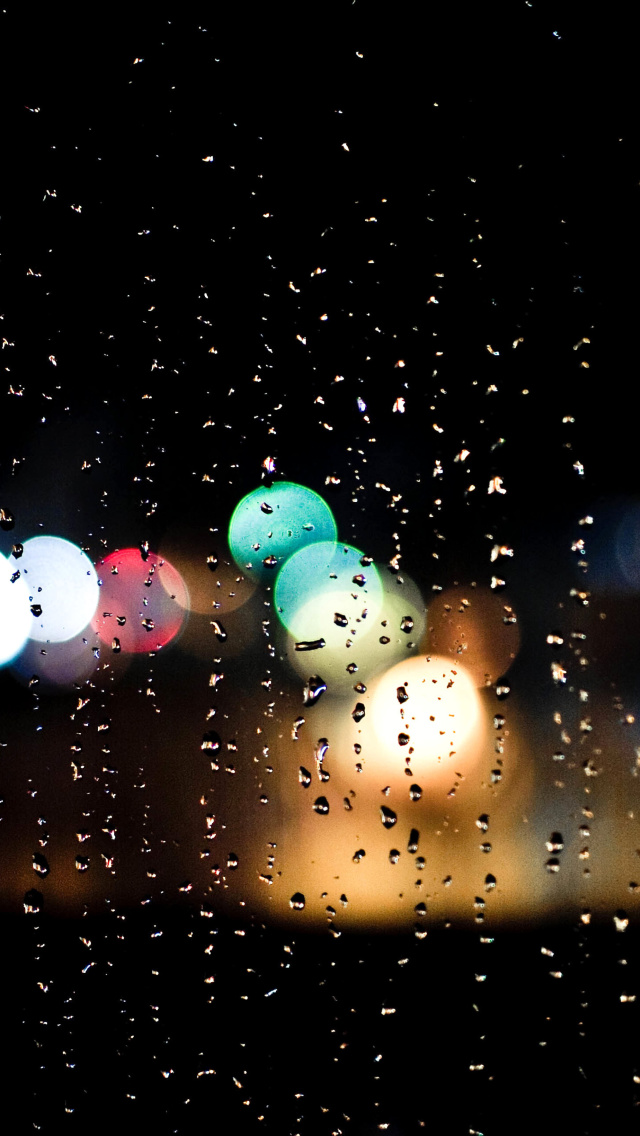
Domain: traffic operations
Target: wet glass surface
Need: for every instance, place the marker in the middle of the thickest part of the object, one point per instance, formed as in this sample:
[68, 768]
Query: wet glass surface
[319, 536]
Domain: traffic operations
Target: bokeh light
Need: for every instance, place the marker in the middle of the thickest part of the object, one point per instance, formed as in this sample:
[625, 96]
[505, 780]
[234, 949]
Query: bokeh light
[474, 626]
[212, 578]
[385, 637]
[143, 601]
[325, 594]
[270, 524]
[58, 666]
[627, 547]
[426, 713]
[62, 588]
[15, 617]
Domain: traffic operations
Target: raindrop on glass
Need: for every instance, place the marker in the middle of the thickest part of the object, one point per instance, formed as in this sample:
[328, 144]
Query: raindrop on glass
[387, 816]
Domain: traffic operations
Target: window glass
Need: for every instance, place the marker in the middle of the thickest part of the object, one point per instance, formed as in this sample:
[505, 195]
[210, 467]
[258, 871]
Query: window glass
[319, 573]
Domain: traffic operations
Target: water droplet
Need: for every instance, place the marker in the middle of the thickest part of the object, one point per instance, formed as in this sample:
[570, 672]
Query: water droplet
[503, 689]
[420, 909]
[394, 856]
[310, 645]
[340, 620]
[486, 847]
[266, 508]
[483, 822]
[115, 645]
[621, 920]
[357, 856]
[40, 864]
[553, 864]
[211, 741]
[406, 624]
[270, 561]
[489, 882]
[33, 900]
[414, 837]
[555, 842]
[121, 620]
[415, 792]
[320, 751]
[360, 580]
[387, 816]
[36, 609]
[212, 562]
[313, 690]
[148, 624]
[403, 739]
[219, 631]
[17, 551]
[420, 863]
[401, 694]
[352, 668]
[360, 688]
[384, 639]
[232, 861]
[7, 519]
[304, 777]
[297, 901]
[82, 863]
[358, 712]
[299, 722]
[321, 805]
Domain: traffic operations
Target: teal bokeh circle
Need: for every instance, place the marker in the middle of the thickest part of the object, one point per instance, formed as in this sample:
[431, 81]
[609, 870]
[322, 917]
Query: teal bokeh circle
[322, 582]
[270, 525]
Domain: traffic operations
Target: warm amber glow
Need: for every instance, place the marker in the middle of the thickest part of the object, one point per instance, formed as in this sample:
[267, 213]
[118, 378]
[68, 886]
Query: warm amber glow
[437, 725]
[475, 626]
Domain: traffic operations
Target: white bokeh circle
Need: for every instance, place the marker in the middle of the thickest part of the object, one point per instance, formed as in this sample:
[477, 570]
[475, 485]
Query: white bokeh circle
[61, 580]
[15, 617]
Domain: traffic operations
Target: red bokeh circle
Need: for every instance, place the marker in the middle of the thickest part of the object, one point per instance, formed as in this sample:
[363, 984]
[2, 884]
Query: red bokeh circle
[148, 593]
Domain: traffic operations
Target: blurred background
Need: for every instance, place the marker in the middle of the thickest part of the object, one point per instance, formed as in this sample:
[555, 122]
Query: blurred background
[319, 572]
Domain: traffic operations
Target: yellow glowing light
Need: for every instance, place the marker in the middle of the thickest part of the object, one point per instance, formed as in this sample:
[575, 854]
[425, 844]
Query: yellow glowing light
[426, 709]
